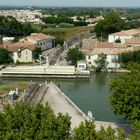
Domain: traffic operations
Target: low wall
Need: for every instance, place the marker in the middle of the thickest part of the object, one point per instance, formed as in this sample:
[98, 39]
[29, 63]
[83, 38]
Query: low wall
[98, 124]
[72, 103]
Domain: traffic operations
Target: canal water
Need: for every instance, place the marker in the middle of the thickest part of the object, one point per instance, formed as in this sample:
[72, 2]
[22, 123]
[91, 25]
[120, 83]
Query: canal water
[88, 95]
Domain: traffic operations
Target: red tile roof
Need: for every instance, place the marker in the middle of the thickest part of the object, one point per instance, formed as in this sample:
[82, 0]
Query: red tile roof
[127, 32]
[134, 40]
[20, 46]
[40, 36]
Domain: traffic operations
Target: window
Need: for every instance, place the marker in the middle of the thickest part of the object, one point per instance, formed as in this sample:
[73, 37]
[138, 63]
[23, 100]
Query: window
[129, 45]
[89, 63]
[89, 57]
[26, 52]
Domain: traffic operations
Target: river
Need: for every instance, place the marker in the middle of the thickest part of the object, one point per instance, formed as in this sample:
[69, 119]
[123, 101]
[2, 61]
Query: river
[88, 95]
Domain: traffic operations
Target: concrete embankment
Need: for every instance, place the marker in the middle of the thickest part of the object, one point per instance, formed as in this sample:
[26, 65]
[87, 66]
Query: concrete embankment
[59, 102]
[44, 71]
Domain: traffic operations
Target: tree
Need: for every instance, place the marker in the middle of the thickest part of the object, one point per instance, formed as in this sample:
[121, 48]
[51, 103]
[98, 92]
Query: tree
[111, 23]
[117, 41]
[101, 62]
[74, 55]
[59, 41]
[126, 58]
[86, 131]
[37, 52]
[125, 98]
[5, 56]
[9, 26]
[33, 122]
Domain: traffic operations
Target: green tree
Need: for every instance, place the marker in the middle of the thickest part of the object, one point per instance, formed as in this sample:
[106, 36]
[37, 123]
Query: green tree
[85, 131]
[5, 56]
[136, 127]
[37, 52]
[126, 58]
[101, 62]
[59, 41]
[74, 55]
[33, 122]
[9, 26]
[111, 23]
[125, 98]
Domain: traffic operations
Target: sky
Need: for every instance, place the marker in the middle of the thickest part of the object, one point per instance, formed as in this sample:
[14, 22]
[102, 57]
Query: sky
[70, 3]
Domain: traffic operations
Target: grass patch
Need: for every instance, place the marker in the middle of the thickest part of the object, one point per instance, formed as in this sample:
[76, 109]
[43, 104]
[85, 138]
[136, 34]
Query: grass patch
[67, 32]
[5, 89]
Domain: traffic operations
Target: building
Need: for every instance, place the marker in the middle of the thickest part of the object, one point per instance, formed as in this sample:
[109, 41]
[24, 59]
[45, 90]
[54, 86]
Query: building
[129, 42]
[110, 49]
[40, 40]
[81, 65]
[21, 52]
[123, 35]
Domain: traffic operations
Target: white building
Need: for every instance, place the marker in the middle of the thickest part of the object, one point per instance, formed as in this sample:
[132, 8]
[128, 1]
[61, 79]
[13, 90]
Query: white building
[81, 65]
[123, 35]
[21, 52]
[110, 49]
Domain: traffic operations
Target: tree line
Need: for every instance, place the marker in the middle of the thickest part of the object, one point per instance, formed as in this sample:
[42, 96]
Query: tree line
[63, 19]
[9, 26]
[112, 23]
[37, 122]
[125, 97]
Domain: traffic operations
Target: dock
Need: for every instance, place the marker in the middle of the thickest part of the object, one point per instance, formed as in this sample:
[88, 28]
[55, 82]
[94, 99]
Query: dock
[44, 71]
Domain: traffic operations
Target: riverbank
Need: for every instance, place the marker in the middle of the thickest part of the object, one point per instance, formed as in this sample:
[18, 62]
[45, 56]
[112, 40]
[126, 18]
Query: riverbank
[60, 103]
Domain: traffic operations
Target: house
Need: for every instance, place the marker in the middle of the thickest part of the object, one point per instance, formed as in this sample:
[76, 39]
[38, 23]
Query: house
[123, 35]
[40, 40]
[110, 49]
[22, 52]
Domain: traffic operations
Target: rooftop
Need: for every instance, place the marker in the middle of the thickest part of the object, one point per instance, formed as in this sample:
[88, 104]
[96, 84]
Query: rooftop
[110, 45]
[39, 36]
[108, 51]
[127, 32]
[134, 40]
[106, 48]
[20, 45]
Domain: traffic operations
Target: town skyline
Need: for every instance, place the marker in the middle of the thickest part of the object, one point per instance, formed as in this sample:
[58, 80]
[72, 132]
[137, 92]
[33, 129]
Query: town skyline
[72, 3]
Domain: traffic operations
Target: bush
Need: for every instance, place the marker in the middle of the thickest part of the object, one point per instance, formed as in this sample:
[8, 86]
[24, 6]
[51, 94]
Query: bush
[54, 31]
[66, 25]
